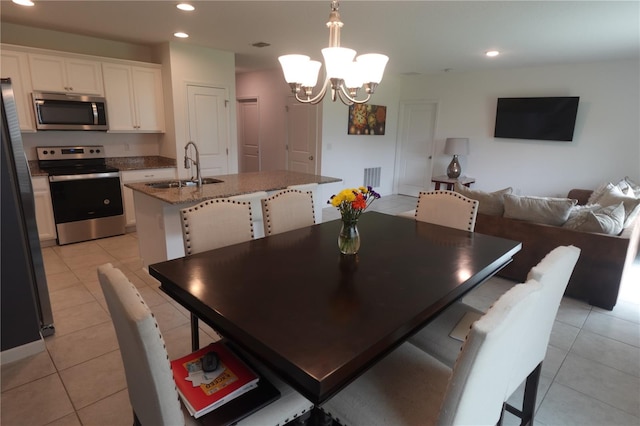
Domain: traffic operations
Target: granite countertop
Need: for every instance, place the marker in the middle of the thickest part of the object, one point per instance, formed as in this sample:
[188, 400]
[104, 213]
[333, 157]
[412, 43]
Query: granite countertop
[234, 184]
[121, 163]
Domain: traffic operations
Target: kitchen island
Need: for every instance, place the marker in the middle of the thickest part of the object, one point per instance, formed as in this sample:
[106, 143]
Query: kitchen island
[158, 209]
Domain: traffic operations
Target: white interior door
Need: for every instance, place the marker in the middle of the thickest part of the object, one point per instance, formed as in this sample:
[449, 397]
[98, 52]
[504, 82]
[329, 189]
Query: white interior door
[208, 128]
[302, 137]
[415, 147]
[249, 135]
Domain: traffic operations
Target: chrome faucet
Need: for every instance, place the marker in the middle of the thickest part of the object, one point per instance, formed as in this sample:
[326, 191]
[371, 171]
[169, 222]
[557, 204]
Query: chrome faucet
[188, 161]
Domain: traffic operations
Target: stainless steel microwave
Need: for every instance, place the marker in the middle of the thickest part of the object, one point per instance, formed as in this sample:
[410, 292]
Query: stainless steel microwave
[58, 111]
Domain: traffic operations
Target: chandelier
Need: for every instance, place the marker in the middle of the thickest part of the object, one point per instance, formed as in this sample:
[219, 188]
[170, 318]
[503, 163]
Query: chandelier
[344, 75]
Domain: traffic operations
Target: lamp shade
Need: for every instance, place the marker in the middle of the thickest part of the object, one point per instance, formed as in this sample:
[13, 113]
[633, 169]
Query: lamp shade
[337, 61]
[456, 146]
[294, 67]
[372, 66]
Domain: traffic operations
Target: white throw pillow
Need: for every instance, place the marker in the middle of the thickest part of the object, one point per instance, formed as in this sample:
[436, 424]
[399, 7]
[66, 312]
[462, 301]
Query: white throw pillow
[635, 187]
[613, 195]
[546, 210]
[606, 220]
[491, 203]
[595, 218]
[597, 193]
[579, 211]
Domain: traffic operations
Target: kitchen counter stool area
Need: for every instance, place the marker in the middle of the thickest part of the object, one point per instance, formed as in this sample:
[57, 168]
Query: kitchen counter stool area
[158, 204]
[590, 375]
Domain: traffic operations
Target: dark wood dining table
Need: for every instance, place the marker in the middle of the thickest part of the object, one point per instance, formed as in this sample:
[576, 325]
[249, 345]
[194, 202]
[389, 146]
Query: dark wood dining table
[319, 319]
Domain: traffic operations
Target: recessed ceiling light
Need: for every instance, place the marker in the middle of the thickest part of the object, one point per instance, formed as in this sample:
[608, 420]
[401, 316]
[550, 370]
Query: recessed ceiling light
[181, 35]
[186, 7]
[24, 2]
[492, 53]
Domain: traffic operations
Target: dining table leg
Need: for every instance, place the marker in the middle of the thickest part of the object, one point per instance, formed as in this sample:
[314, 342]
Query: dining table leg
[195, 338]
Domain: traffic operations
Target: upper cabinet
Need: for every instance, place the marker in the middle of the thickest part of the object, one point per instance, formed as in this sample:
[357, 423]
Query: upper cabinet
[15, 65]
[65, 75]
[133, 90]
[134, 98]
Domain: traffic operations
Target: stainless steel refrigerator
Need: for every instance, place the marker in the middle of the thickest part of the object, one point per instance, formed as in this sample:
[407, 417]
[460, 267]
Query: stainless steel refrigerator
[24, 293]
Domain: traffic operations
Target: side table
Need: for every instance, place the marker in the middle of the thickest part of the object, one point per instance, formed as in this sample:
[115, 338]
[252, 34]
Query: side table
[449, 182]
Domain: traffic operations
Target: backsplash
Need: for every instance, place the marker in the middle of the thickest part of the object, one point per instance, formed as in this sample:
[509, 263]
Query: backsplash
[115, 144]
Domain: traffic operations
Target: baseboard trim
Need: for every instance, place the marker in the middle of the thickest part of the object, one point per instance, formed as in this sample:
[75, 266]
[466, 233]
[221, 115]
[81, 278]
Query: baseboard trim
[23, 351]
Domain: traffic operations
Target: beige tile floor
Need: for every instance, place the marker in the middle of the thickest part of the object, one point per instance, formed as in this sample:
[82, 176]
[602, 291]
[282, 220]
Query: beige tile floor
[591, 375]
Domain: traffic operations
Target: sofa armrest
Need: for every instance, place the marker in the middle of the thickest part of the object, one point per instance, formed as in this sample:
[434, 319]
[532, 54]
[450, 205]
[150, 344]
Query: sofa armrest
[582, 195]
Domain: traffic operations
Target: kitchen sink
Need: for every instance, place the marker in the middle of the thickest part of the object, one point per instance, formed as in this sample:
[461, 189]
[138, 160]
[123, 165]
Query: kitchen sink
[181, 183]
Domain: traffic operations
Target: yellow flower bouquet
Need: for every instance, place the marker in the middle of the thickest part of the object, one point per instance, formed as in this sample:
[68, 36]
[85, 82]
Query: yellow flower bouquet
[351, 202]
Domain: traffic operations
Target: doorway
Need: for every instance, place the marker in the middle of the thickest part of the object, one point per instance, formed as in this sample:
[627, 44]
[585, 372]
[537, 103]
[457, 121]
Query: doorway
[414, 159]
[303, 136]
[208, 127]
[248, 117]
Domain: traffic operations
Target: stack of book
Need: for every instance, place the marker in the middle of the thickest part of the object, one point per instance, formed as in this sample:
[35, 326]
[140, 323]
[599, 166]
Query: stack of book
[203, 392]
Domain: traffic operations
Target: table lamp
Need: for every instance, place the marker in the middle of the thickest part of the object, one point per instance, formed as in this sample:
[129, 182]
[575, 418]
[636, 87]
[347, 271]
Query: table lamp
[455, 147]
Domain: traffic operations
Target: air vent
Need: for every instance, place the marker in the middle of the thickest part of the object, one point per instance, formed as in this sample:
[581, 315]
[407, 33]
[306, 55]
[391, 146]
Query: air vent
[372, 176]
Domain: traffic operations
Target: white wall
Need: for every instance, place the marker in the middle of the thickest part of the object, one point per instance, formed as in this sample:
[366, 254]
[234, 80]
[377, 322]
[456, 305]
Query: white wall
[346, 156]
[343, 156]
[67, 42]
[186, 64]
[606, 144]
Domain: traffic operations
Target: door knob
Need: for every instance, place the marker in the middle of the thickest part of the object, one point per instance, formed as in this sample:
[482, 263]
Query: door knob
[311, 157]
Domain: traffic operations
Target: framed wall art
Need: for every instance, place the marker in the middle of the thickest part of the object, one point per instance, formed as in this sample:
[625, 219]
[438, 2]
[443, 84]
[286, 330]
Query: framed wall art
[365, 119]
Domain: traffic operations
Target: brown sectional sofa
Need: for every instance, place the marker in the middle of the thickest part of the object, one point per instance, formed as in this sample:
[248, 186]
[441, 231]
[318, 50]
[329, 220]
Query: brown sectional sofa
[603, 258]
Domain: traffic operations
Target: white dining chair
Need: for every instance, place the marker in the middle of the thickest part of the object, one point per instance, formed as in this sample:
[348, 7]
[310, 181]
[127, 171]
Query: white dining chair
[215, 223]
[254, 198]
[287, 210]
[150, 385]
[410, 387]
[313, 188]
[553, 274]
[447, 208]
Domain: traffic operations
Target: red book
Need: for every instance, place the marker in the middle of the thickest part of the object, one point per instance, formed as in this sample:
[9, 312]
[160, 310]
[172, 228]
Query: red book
[203, 392]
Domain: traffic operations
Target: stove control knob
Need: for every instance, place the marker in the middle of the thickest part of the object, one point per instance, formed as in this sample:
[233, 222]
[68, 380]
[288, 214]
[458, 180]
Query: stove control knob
[97, 151]
[91, 151]
[45, 152]
[52, 152]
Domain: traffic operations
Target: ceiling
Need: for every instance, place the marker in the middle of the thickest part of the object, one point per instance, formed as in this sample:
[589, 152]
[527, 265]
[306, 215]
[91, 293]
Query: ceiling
[418, 36]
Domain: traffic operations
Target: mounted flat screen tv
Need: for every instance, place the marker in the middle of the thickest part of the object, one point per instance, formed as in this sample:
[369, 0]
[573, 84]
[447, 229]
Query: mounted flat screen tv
[550, 118]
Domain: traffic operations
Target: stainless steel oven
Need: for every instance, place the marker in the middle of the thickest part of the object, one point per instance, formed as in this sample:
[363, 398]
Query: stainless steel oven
[85, 192]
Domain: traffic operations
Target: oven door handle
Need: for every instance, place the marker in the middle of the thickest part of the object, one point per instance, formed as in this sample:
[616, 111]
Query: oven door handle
[83, 177]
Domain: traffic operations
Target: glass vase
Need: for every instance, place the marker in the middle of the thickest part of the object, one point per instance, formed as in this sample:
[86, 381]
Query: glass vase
[349, 237]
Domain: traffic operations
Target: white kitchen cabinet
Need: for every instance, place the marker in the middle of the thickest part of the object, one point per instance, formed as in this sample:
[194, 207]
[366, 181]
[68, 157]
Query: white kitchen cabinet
[44, 208]
[135, 103]
[146, 175]
[65, 75]
[15, 65]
